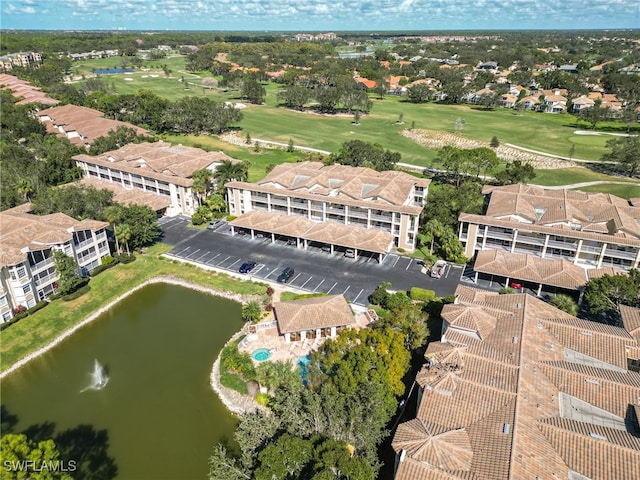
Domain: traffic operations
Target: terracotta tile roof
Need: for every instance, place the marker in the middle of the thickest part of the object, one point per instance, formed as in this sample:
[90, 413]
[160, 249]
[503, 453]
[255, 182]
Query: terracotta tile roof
[87, 122]
[128, 196]
[362, 238]
[594, 451]
[312, 313]
[519, 266]
[593, 212]
[355, 186]
[26, 91]
[541, 394]
[631, 320]
[23, 232]
[158, 160]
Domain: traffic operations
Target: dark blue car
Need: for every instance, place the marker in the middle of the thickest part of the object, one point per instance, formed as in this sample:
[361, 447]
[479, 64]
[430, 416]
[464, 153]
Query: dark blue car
[286, 275]
[246, 267]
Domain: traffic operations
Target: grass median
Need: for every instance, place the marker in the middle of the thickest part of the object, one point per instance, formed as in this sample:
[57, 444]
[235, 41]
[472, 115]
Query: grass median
[44, 326]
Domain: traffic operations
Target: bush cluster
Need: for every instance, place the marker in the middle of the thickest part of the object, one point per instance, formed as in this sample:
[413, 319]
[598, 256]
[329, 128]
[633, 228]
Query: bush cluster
[422, 294]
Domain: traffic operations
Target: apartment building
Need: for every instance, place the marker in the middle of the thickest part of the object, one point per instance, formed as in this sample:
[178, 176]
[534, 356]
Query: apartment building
[337, 205]
[590, 230]
[23, 90]
[517, 389]
[81, 125]
[158, 168]
[27, 243]
[20, 59]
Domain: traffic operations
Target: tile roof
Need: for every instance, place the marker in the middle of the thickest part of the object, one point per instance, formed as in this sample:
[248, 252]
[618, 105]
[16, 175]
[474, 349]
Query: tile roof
[362, 238]
[127, 196]
[357, 186]
[87, 122]
[599, 213]
[24, 90]
[631, 320]
[556, 272]
[158, 160]
[312, 313]
[539, 395]
[23, 232]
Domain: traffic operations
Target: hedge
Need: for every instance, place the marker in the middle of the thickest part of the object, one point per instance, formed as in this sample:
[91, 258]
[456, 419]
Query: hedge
[422, 294]
[38, 306]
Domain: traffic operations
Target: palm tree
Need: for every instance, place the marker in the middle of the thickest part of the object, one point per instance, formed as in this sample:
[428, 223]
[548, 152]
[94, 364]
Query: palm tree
[25, 188]
[123, 231]
[113, 214]
[200, 185]
[251, 311]
[231, 171]
[274, 374]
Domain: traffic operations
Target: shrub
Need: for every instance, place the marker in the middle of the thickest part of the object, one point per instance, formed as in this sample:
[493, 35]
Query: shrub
[506, 291]
[126, 258]
[108, 260]
[77, 293]
[101, 268]
[422, 294]
[263, 399]
[270, 290]
[401, 250]
[18, 310]
[38, 306]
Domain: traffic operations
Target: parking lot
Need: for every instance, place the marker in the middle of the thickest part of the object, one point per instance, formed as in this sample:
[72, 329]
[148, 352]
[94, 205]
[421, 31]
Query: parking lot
[316, 270]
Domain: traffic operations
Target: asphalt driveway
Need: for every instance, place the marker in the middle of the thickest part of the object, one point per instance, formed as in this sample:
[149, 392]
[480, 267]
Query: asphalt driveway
[315, 270]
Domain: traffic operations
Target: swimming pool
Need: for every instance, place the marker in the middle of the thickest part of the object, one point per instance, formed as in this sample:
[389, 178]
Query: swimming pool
[302, 363]
[261, 354]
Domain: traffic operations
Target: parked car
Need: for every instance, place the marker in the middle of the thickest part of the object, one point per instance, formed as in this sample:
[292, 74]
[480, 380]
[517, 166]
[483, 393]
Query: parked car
[350, 253]
[286, 275]
[438, 269]
[215, 224]
[292, 241]
[246, 267]
[326, 248]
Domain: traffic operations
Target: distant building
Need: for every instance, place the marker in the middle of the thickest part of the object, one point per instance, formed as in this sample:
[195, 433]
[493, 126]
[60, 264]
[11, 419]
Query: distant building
[24, 91]
[517, 389]
[20, 59]
[81, 125]
[27, 243]
[158, 168]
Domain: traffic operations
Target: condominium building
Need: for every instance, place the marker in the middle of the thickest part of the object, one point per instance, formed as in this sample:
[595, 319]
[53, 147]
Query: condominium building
[590, 230]
[517, 389]
[338, 205]
[159, 168]
[27, 243]
[20, 59]
[81, 125]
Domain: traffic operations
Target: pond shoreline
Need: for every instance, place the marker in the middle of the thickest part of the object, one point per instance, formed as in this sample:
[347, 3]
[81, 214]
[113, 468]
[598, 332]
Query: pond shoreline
[167, 279]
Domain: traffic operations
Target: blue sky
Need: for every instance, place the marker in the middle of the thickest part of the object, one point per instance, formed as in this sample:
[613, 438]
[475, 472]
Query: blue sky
[318, 15]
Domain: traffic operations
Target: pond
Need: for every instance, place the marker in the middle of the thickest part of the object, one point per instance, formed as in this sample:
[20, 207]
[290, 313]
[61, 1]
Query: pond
[112, 70]
[157, 416]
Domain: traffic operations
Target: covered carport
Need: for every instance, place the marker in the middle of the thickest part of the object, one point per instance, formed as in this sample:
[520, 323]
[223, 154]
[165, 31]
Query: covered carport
[336, 235]
[529, 271]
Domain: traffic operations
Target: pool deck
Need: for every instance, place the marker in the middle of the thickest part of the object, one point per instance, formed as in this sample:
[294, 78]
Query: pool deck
[282, 351]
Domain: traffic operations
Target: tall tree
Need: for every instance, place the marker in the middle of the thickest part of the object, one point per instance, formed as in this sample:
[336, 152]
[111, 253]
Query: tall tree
[230, 171]
[123, 233]
[113, 214]
[624, 150]
[201, 185]
[22, 458]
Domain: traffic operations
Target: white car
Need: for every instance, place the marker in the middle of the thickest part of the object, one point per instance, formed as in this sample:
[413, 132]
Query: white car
[438, 269]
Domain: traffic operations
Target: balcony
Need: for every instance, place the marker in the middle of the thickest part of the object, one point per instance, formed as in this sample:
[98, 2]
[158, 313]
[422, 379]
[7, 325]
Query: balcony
[613, 253]
[84, 244]
[46, 279]
[279, 201]
[49, 262]
[530, 240]
[336, 211]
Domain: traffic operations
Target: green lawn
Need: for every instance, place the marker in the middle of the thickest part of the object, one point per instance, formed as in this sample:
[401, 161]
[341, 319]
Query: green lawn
[39, 329]
[622, 191]
[549, 133]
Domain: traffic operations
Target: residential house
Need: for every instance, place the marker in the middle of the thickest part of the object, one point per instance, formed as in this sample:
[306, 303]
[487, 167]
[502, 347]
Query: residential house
[336, 205]
[27, 243]
[158, 168]
[488, 66]
[81, 125]
[589, 230]
[517, 389]
[568, 68]
[366, 83]
[508, 100]
[581, 103]
[313, 319]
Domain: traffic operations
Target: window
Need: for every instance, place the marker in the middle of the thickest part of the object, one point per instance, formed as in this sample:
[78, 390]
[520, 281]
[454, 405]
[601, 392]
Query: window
[3, 301]
[22, 272]
[26, 289]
